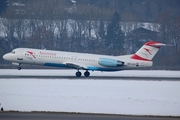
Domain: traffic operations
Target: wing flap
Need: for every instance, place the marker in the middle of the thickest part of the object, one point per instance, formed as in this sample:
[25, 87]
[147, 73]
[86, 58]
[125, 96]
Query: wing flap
[76, 66]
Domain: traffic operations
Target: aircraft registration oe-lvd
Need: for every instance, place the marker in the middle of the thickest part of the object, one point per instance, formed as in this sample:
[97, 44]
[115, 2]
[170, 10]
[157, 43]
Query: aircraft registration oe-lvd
[83, 61]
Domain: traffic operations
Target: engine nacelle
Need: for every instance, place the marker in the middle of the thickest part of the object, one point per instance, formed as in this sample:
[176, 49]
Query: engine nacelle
[107, 62]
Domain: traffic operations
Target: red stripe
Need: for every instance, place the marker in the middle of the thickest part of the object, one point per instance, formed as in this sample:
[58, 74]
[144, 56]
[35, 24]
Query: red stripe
[151, 44]
[139, 58]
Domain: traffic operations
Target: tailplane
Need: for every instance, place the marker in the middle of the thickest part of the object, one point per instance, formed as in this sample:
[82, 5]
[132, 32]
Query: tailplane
[147, 51]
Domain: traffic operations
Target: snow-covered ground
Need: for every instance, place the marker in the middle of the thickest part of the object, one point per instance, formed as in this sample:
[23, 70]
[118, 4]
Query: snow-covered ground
[90, 95]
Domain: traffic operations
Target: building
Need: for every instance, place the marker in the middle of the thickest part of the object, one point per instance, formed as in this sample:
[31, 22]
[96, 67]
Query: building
[136, 38]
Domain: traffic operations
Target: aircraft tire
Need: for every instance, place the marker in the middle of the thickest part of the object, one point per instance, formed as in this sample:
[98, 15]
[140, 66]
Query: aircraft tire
[78, 74]
[19, 68]
[86, 74]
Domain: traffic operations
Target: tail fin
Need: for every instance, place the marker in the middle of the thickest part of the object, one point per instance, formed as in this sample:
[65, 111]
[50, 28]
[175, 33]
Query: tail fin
[147, 51]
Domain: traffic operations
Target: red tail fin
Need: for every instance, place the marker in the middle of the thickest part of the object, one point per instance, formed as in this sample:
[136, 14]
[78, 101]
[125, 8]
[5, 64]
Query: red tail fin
[147, 51]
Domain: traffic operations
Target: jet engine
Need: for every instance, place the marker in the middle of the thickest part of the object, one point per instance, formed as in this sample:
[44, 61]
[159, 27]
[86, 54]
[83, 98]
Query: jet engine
[108, 62]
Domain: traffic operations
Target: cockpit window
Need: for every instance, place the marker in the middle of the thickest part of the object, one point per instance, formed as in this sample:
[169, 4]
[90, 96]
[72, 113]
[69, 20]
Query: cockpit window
[13, 52]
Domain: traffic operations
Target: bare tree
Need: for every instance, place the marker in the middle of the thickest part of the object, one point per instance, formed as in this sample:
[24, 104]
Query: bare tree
[62, 34]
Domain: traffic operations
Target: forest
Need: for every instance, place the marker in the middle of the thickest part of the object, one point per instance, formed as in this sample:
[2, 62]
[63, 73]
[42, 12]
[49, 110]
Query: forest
[90, 26]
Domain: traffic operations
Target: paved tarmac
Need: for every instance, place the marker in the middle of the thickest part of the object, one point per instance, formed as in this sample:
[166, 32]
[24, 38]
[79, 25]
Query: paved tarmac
[92, 77]
[74, 116]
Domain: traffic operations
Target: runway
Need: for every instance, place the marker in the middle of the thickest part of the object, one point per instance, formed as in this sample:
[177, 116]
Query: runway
[70, 74]
[74, 116]
[91, 77]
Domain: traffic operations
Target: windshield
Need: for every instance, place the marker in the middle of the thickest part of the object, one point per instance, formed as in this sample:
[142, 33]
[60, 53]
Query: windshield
[13, 52]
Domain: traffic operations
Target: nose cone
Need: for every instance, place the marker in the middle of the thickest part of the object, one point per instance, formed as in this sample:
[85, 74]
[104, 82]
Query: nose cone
[6, 57]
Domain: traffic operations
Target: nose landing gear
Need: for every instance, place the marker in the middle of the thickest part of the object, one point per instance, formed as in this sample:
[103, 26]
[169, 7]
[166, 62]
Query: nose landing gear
[19, 67]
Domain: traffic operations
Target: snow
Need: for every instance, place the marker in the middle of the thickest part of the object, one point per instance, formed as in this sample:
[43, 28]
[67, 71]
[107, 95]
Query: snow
[129, 97]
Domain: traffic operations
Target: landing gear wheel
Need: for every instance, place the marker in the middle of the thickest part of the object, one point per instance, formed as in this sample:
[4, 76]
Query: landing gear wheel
[78, 74]
[19, 68]
[86, 74]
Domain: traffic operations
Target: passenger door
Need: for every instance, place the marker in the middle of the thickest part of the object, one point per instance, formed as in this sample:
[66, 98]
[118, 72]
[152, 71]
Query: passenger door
[20, 55]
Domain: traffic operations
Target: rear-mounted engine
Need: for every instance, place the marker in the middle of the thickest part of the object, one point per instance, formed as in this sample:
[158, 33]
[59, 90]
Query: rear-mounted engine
[107, 62]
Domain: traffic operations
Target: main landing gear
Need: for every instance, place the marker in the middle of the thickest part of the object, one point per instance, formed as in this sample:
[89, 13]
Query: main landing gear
[78, 74]
[86, 74]
[19, 67]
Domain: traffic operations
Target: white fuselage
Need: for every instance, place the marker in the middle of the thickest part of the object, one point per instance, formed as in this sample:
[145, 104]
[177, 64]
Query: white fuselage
[74, 60]
[82, 61]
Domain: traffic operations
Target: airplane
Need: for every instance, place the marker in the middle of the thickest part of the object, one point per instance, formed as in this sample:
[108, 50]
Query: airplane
[84, 61]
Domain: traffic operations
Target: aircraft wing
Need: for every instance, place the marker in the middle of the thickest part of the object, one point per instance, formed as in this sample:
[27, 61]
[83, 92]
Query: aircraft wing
[76, 66]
